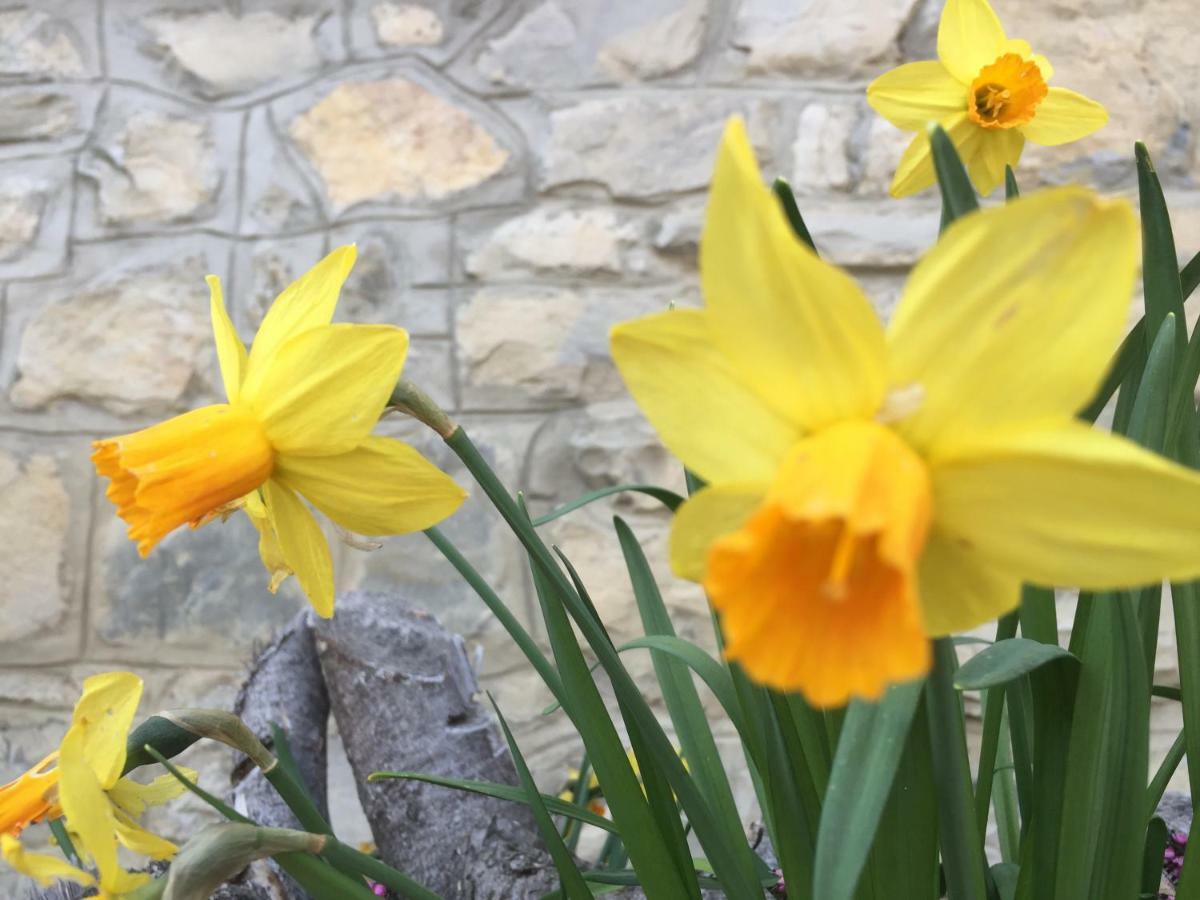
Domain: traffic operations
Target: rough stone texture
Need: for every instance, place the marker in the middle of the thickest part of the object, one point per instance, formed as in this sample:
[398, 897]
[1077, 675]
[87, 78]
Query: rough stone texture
[518, 176]
[641, 147]
[33, 592]
[379, 654]
[379, 140]
[129, 344]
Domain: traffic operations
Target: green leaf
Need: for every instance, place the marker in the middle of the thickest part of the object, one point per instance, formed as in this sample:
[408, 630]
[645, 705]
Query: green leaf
[1005, 661]
[904, 858]
[1053, 692]
[669, 499]
[787, 200]
[678, 690]
[1166, 770]
[989, 743]
[1038, 614]
[1152, 856]
[735, 868]
[503, 792]
[500, 610]
[864, 767]
[1005, 875]
[573, 885]
[163, 735]
[1011, 191]
[961, 842]
[1107, 760]
[1160, 266]
[1130, 355]
[958, 196]
[1185, 601]
[1189, 277]
[653, 853]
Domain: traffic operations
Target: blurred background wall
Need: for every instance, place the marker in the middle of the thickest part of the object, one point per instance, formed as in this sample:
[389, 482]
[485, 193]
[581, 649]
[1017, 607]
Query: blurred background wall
[518, 176]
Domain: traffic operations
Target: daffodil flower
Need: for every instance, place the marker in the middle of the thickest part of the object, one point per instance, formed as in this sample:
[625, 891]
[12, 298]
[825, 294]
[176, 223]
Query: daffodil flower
[988, 91]
[81, 781]
[868, 489]
[301, 407]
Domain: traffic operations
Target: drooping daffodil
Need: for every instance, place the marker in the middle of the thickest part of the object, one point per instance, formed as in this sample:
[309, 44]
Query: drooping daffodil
[989, 92]
[868, 488]
[82, 782]
[302, 404]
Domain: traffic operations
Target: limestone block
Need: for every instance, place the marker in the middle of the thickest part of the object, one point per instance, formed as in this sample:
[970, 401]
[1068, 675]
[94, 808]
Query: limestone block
[129, 339]
[210, 51]
[45, 118]
[435, 30]
[822, 149]
[538, 347]
[155, 162]
[553, 240]
[393, 140]
[648, 145]
[573, 44]
[39, 44]
[35, 211]
[817, 37]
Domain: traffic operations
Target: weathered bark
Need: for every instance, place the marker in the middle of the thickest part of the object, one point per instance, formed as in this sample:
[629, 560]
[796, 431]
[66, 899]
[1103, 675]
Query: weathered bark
[285, 687]
[403, 694]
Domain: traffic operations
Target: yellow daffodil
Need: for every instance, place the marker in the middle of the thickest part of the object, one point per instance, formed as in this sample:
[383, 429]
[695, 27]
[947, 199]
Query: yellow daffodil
[82, 782]
[988, 91]
[870, 488]
[301, 407]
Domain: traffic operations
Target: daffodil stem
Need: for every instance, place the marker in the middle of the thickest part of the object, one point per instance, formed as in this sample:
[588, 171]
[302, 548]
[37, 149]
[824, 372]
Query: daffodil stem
[64, 841]
[409, 398]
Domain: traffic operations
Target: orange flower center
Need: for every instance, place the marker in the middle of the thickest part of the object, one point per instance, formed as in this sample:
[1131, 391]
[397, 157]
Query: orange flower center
[817, 591]
[1006, 93]
[184, 470]
[31, 798]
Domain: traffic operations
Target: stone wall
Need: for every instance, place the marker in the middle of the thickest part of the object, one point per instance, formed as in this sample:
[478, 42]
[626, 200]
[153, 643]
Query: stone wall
[518, 176]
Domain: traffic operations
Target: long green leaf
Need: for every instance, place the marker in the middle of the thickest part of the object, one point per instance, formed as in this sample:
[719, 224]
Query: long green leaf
[679, 692]
[961, 843]
[958, 196]
[1038, 615]
[787, 200]
[1152, 857]
[573, 885]
[669, 499]
[1166, 771]
[733, 867]
[503, 792]
[1005, 661]
[1107, 760]
[989, 743]
[1160, 266]
[711, 672]
[640, 828]
[904, 858]
[864, 767]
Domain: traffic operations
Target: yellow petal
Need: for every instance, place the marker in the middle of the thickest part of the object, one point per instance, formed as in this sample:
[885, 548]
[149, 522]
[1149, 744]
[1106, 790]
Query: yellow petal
[988, 153]
[718, 426]
[915, 171]
[268, 541]
[915, 94]
[102, 719]
[133, 798]
[383, 486]
[959, 589]
[231, 352]
[326, 389]
[303, 545]
[969, 37]
[1070, 506]
[795, 329]
[136, 838]
[308, 302]
[1048, 277]
[41, 867]
[85, 805]
[1064, 116]
[713, 512]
